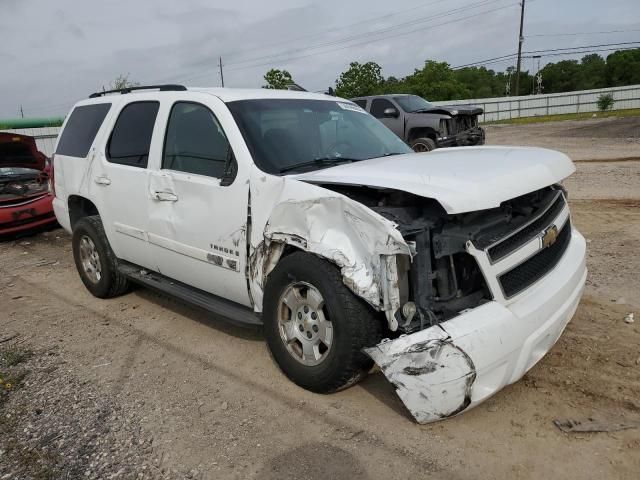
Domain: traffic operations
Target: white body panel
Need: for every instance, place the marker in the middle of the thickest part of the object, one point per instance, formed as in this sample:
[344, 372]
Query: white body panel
[461, 179]
[197, 227]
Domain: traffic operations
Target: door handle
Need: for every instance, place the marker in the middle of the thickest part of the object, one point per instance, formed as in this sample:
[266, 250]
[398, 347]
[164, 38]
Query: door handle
[102, 181]
[165, 196]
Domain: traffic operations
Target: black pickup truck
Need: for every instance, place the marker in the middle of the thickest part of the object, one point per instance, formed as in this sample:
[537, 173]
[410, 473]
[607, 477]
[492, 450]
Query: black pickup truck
[423, 125]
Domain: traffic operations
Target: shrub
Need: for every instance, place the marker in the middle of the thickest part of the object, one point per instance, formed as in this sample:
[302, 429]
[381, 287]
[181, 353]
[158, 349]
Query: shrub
[605, 102]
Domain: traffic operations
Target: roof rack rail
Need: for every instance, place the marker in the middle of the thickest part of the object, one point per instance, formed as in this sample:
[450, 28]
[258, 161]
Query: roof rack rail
[162, 88]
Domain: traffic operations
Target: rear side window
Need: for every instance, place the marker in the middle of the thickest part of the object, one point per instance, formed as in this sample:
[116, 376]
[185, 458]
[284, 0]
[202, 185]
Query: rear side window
[361, 103]
[379, 105]
[131, 136]
[81, 129]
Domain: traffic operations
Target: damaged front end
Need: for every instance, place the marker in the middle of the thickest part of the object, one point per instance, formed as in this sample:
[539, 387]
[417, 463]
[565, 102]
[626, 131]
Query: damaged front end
[472, 300]
[462, 329]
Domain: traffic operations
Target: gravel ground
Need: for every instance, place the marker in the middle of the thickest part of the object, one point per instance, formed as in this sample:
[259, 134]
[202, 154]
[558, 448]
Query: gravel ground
[66, 428]
[596, 139]
[146, 387]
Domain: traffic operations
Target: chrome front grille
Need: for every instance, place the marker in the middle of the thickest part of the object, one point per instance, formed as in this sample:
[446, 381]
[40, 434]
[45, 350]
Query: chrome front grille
[516, 239]
[531, 270]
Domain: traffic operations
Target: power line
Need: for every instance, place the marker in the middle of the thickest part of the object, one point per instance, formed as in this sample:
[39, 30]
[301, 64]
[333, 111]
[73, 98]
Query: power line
[374, 40]
[575, 34]
[334, 29]
[350, 38]
[262, 61]
[231, 54]
[512, 55]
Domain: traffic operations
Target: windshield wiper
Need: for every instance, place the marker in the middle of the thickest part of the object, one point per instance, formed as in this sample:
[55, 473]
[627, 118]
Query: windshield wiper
[320, 162]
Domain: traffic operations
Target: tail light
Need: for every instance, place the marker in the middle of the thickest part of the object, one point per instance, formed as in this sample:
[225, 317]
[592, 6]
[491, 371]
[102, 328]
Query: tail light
[51, 182]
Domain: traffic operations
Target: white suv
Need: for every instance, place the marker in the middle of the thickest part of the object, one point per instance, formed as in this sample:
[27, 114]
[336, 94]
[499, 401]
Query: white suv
[302, 213]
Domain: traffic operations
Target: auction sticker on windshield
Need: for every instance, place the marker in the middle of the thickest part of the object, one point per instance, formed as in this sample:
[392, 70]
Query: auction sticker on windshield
[350, 106]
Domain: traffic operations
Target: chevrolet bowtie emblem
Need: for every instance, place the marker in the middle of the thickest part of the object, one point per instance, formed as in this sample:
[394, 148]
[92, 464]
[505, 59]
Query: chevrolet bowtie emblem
[549, 236]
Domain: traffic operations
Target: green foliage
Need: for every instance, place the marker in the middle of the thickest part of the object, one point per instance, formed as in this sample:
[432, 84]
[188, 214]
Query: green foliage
[122, 81]
[623, 68]
[277, 79]
[438, 81]
[360, 80]
[605, 102]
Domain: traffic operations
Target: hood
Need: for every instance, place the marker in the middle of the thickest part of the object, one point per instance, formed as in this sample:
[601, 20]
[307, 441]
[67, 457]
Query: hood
[462, 179]
[454, 110]
[20, 151]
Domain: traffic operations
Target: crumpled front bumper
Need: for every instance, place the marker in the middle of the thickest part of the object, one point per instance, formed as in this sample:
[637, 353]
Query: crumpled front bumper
[471, 137]
[447, 369]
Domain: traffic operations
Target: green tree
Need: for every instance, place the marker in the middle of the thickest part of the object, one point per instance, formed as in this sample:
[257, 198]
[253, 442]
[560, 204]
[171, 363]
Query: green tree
[436, 81]
[360, 80]
[122, 81]
[593, 72]
[561, 77]
[480, 82]
[277, 79]
[623, 68]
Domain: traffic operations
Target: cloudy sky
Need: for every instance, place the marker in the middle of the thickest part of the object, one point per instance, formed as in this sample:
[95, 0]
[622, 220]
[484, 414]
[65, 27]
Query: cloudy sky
[53, 53]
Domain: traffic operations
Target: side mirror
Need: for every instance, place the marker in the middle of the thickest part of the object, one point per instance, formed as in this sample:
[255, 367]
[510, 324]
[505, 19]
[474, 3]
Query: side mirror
[391, 112]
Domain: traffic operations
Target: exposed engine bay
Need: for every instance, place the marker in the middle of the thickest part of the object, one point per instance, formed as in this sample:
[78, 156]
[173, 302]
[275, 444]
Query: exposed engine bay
[18, 184]
[443, 279]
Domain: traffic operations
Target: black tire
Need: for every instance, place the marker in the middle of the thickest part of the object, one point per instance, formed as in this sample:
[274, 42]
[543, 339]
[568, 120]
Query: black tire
[111, 282]
[354, 325]
[423, 144]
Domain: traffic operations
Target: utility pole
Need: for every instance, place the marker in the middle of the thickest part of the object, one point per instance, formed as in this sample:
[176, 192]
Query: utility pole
[533, 78]
[221, 74]
[520, 41]
[21, 112]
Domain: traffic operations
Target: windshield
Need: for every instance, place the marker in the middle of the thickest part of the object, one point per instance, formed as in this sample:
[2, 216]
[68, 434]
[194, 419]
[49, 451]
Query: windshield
[289, 134]
[413, 103]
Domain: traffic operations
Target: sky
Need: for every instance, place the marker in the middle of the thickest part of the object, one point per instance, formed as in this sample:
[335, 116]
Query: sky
[54, 53]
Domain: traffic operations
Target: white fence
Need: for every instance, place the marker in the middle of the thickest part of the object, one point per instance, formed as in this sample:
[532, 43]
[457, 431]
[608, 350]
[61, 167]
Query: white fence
[505, 108]
[45, 137]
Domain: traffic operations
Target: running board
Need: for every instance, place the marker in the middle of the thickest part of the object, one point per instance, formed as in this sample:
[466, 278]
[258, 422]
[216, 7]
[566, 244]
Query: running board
[231, 311]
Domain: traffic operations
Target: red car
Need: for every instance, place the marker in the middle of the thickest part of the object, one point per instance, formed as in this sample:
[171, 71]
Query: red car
[25, 192]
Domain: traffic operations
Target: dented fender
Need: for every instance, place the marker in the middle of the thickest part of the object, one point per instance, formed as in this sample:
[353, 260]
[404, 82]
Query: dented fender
[363, 244]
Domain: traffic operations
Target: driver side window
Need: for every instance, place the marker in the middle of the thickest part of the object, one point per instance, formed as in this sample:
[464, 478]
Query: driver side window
[195, 142]
[379, 105]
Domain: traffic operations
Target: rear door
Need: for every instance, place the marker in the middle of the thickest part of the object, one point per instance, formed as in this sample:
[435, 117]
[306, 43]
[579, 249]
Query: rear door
[121, 179]
[199, 198]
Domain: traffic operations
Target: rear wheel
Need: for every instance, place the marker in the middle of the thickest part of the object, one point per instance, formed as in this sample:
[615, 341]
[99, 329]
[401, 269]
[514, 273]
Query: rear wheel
[423, 145]
[315, 326]
[95, 261]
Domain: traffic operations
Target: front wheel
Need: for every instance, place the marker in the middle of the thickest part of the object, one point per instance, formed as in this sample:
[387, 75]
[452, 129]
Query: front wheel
[423, 145]
[315, 326]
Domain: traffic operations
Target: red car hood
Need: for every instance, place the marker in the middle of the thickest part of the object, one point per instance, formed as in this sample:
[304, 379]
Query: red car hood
[20, 151]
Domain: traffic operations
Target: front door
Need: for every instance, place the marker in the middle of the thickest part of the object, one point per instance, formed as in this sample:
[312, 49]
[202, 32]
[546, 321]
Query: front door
[394, 123]
[197, 209]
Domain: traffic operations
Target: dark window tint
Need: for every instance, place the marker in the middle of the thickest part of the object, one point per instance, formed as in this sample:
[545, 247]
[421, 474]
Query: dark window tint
[195, 141]
[379, 105]
[131, 137]
[361, 103]
[81, 129]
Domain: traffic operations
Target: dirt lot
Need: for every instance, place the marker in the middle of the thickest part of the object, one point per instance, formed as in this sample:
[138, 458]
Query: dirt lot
[144, 387]
[594, 139]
